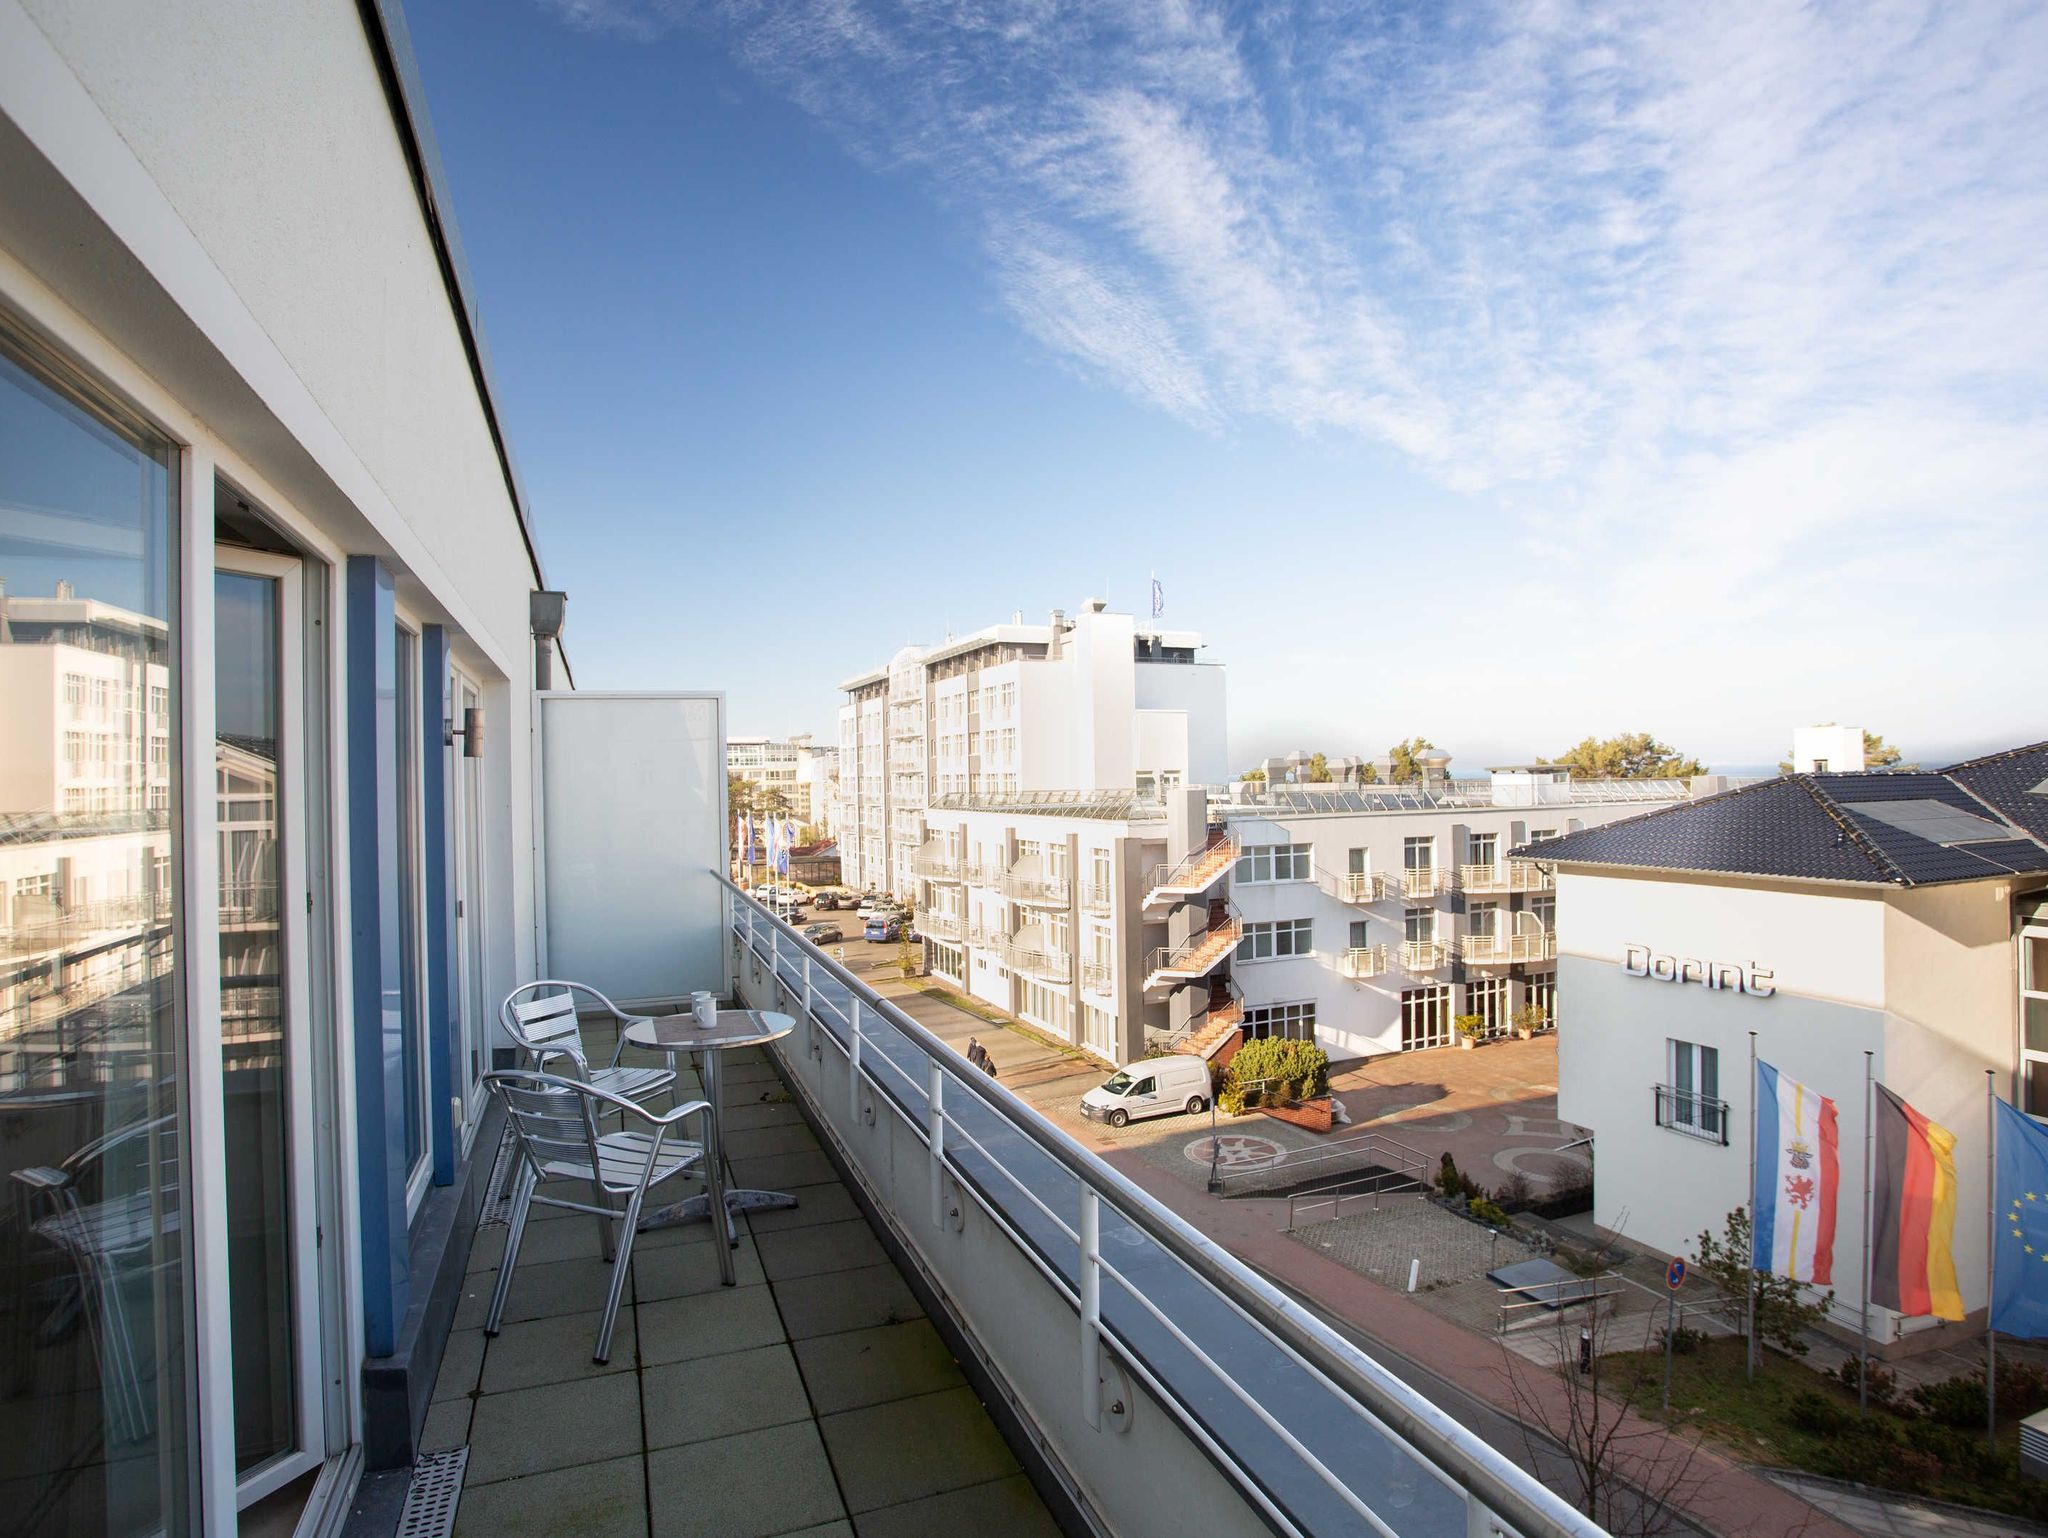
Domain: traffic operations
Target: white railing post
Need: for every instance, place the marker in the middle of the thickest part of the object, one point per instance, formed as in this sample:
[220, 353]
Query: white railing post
[810, 1009]
[853, 1061]
[935, 1136]
[1091, 1307]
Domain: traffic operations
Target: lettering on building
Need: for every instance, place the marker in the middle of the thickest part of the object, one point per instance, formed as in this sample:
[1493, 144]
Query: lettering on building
[1641, 961]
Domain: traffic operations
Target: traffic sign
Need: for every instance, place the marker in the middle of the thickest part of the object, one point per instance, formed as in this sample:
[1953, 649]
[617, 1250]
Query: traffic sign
[1674, 1277]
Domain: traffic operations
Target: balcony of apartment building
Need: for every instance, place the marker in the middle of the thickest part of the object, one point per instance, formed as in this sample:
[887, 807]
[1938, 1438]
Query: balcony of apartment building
[1360, 886]
[937, 924]
[1520, 941]
[1098, 897]
[1028, 950]
[1098, 977]
[1504, 877]
[907, 828]
[951, 1249]
[935, 862]
[1193, 874]
[1415, 882]
[1363, 961]
[1033, 882]
[1425, 955]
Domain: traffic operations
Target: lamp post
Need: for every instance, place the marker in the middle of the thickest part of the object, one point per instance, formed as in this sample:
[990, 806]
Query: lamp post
[1215, 1148]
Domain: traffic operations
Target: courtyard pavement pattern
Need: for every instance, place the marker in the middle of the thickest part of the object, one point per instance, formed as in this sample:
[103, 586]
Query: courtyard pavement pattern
[813, 1398]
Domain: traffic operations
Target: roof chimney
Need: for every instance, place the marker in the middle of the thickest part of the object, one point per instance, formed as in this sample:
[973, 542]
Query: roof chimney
[1434, 765]
[64, 589]
[1058, 622]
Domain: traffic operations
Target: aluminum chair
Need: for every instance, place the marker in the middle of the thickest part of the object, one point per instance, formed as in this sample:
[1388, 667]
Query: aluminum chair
[555, 1121]
[542, 1018]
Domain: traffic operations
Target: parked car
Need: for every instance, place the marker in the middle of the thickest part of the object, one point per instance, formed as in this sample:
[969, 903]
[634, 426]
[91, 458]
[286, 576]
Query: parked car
[882, 929]
[880, 907]
[1158, 1086]
[827, 902]
[824, 934]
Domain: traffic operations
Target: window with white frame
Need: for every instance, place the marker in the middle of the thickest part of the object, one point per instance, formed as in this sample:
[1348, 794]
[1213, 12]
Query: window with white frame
[1425, 1018]
[1482, 848]
[1361, 934]
[1273, 862]
[1295, 1022]
[1044, 1006]
[2034, 1006]
[1487, 997]
[1538, 835]
[1418, 852]
[1544, 911]
[1689, 1100]
[1418, 924]
[1271, 941]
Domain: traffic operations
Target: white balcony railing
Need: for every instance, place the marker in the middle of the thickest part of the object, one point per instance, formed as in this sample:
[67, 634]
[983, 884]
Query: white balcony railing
[1197, 956]
[1506, 876]
[1363, 961]
[1098, 976]
[1424, 955]
[1096, 1306]
[1423, 881]
[940, 926]
[1524, 942]
[1194, 873]
[1361, 886]
[1098, 896]
[1034, 887]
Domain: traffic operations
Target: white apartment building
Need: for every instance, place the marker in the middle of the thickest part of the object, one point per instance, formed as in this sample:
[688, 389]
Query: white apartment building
[803, 771]
[1826, 915]
[1091, 702]
[1367, 918]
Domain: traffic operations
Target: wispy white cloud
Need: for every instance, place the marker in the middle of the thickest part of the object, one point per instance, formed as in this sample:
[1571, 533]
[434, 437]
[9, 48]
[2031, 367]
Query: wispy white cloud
[1725, 303]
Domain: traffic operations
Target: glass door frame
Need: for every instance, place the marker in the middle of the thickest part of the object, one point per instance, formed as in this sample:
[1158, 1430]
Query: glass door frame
[467, 867]
[295, 938]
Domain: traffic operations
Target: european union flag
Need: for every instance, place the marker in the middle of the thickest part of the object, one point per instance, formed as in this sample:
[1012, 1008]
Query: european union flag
[2019, 1296]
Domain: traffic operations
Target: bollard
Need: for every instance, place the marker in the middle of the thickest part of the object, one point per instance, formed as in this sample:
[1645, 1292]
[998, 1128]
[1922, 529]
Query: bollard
[1585, 1349]
[1414, 1272]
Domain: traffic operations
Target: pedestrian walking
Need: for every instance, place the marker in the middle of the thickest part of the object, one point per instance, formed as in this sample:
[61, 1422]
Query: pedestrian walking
[976, 1053]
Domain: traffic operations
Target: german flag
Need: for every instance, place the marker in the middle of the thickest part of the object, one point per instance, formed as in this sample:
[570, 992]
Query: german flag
[1913, 1213]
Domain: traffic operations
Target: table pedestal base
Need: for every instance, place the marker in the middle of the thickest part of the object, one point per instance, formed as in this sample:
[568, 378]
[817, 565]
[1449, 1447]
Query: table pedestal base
[697, 1209]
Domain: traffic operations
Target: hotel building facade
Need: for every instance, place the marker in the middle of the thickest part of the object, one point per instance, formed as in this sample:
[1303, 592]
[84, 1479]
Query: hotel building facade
[1831, 919]
[1091, 702]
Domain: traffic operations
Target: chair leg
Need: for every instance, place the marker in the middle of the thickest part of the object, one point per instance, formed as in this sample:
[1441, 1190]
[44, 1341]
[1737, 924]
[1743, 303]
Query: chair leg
[620, 1266]
[599, 1197]
[522, 1203]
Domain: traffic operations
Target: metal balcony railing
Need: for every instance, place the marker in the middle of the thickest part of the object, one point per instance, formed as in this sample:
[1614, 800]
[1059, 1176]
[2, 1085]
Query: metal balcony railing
[1506, 876]
[1197, 956]
[1098, 896]
[1363, 961]
[934, 863]
[1194, 873]
[1027, 952]
[1034, 888]
[1095, 1307]
[1424, 955]
[1694, 1114]
[940, 926]
[1360, 886]
[1098, 976]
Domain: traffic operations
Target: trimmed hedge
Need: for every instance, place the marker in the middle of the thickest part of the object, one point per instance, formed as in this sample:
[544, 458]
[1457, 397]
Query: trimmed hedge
[1301, 1067]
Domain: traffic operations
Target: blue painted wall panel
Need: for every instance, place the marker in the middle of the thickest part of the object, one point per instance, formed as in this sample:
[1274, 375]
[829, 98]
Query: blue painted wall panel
[370, 682]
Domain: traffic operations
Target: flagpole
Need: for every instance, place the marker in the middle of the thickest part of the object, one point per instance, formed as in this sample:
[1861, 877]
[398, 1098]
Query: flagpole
[1869, 1117]
[1990, 1256]
[1749, 1276]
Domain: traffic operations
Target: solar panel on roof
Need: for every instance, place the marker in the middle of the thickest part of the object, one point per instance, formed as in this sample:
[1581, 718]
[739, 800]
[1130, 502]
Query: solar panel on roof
[1935, 821]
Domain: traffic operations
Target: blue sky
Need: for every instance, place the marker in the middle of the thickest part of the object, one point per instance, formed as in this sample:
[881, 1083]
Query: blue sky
[1500, 374]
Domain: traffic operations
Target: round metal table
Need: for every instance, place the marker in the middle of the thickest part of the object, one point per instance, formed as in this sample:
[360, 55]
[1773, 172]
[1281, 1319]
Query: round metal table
[672, 1034]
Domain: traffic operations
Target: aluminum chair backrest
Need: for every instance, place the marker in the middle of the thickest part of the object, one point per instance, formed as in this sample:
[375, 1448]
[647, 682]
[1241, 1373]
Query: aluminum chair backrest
[546, 1026]
[555, 1122]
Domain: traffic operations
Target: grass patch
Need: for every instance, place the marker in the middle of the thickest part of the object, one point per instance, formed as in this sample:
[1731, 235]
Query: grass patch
[994, 1016]
[1794, 1417]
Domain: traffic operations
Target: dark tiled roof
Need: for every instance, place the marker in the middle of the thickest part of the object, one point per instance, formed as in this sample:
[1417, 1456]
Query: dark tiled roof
[1808, 827]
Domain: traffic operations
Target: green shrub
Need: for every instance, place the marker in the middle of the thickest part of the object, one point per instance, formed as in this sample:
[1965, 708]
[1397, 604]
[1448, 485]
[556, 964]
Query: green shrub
[1513, 1194]
[1685, 1340]
[1817, 1413]
[1488, 1213]
[1301, 1068]
[1884, 1386]
[1951, 1402]
[1454, 1182]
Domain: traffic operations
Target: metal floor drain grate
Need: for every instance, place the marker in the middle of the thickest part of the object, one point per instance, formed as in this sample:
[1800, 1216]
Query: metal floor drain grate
[497, 1208]
[431, 1498]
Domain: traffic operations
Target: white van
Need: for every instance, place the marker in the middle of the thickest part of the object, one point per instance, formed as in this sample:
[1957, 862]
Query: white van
[1158, 1086]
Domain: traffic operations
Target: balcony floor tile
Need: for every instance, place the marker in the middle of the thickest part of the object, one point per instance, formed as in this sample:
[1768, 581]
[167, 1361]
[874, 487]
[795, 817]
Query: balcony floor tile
[849, 1300]
[864, 1367]
[554, 1426]
[908, 1449]
[1006, 1506]
[820, 1248]
[730, 1319]
[592, 1500]
[721, 1396]
[555, 1350]
[758, 1484]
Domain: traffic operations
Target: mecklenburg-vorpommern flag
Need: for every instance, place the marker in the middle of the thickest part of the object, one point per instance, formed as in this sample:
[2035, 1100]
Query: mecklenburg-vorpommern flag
[2019, 1292]
[1798, 1176]
[1913, 1213]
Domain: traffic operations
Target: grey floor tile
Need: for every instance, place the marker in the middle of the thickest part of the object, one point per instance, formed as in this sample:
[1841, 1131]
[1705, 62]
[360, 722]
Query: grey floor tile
[822, 1247]
[594, 1500]
[696, 1495]
[839, 1529]
[864, 1367]
[767, 1109]
[681, 1270]
[719, 1396]
[674, 1233]
[461, 1361]
[545, 1242]
[558, 1425]
[909, 1449]
[728, 1319]
[1006, 1506]
[814, 1204]
[540, 1291]
[847, 1300]
[785, 1172]
[447, 1425]
[782, 1137]
[555, 1350]
[474, 1304]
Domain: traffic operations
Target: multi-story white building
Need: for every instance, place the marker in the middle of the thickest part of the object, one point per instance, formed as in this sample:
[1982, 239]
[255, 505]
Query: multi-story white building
[1820, 917]
[1085, 703]
[802, 771]
[1365, 918]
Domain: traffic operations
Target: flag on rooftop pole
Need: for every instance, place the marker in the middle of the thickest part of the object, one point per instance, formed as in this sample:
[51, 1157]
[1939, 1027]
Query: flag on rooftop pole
[747, 843]
[1798, 1178]
[1158, 597]
[1913, 1213]
[2019, 1282]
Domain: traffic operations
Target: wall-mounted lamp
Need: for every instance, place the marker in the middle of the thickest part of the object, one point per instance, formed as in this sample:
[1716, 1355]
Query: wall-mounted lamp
[544, 608]
[471, 732]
